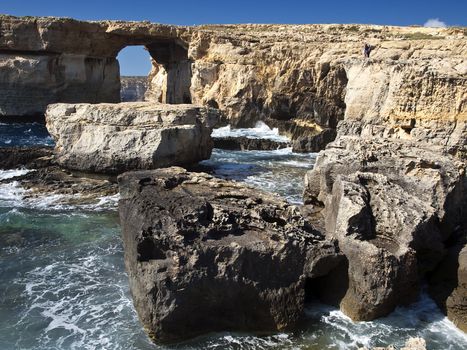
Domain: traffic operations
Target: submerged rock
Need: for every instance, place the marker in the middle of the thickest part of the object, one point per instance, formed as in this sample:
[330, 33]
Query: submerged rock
[113, 138]
[248, 144]
[391, 205]
[205, 254]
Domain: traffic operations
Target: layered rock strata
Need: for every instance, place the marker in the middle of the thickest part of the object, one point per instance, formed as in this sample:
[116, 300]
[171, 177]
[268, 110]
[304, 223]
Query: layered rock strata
[205, 254]
[113, 138]
[301, 78]
[304, 79]
[47, 60]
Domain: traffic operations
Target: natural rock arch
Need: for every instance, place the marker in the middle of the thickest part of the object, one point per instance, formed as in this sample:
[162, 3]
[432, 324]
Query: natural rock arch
[170, 77]
[65, 60]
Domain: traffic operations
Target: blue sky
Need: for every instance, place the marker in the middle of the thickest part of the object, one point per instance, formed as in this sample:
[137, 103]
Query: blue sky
[185, 12]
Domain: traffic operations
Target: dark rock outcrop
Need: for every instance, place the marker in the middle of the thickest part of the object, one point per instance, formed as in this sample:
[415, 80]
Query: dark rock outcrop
[248, 144]
[391, 205]
[205, 254]
[314, 143]
[29, 157]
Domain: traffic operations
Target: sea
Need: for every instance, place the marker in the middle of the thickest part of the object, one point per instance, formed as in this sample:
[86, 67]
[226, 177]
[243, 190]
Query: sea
[63, 283]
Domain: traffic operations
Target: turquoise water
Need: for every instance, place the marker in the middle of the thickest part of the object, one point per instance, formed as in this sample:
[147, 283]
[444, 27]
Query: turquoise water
[63, 284]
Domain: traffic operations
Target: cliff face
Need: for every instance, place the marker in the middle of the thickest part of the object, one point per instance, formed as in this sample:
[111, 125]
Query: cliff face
[133, 88]
[302, 78]
[306, 78]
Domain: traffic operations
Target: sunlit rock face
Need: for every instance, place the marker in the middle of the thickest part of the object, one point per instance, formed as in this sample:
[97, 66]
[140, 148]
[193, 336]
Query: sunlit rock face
[301, 78]
[306, 78]
[49, 60]
[113, 138]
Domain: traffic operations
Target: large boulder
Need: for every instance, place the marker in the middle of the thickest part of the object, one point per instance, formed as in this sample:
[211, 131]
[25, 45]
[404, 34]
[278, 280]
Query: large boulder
[391, 205]
[113, 138]
[205, 254]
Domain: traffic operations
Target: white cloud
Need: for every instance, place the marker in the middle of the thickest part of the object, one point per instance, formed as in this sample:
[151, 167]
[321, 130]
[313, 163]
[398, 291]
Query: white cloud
[435, 23]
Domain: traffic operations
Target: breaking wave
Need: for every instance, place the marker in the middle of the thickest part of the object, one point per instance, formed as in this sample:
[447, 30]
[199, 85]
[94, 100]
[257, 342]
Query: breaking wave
[260, 131]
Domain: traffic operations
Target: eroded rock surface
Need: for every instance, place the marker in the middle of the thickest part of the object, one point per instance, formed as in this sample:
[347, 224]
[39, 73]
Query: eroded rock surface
[391, 205]
[205, 254]
[300, 78]
[305, 78]
[47, 60]
[113, 138]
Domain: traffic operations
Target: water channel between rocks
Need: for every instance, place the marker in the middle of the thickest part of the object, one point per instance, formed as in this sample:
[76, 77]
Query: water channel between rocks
[64, 285]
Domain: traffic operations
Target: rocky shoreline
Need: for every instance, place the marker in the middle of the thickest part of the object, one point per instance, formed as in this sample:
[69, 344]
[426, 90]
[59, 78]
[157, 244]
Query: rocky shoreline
[384, 205]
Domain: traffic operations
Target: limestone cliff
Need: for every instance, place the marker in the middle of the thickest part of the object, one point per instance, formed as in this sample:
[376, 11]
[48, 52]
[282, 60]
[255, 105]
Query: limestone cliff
[302, 78]
[306, 78]
[133, 89]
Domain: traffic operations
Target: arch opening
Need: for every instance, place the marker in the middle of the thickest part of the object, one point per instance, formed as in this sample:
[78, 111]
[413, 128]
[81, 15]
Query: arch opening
[135, 66]
[168, 72]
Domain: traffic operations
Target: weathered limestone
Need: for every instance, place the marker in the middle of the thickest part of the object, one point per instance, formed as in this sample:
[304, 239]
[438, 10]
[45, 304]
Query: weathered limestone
[392, 185]
[113, 138]
[301, 78]
[205, 254]
[29, 82]
[47, 60]
[391, 205]
[305, 79]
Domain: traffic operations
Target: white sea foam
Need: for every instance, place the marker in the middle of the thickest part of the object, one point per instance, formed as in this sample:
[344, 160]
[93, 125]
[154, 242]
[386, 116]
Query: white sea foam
[8, 174]
[421, 319]
[11, 194]
[15, 196]
[260, 131]
[81, 300]
[279, 171]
